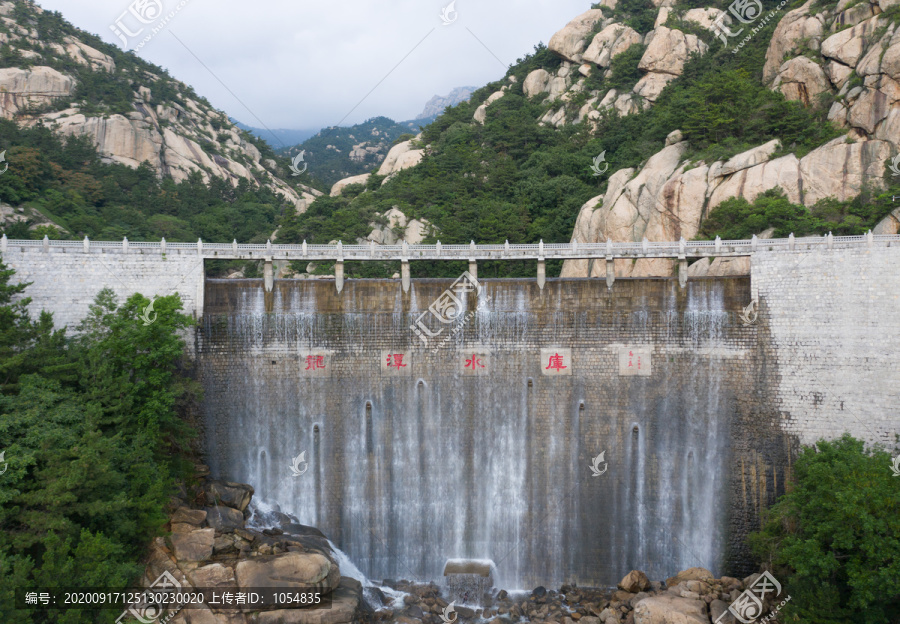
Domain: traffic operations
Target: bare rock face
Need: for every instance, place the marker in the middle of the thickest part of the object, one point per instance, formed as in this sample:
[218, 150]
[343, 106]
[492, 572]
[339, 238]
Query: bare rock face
[634, 582]
[668, 50]
[536, 82]
[340, 185]
[481, 112]
[21, 88]
[289, 570]
[609, 42]
[399, 228]
[402, 156]
[848, 46]
[794, 27]
[840, 168]
[569, 42]
[801, 79]
[666, 609]
[704, 17]
[195, 545]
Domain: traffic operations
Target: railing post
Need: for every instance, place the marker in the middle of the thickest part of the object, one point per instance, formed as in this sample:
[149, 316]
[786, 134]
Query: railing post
[574, 245]
[3, 243]
[125, 244]
[506, 246]
[682, 263]
[610, 265]
[473, 264]
[340, 250]
[162, 245]
[791, 241]
[234, 248]
[404, 266]
[86, 244]
[339, 275]
[404, 275]
[304, 248]
[269, 246]
[753, 243]
[268, 274]
[718, 244]
[645, 245]
[541, 248]
[870, 238]
[372, 249]
[829, 241]
[438, 248]
[199, 247]
[682, 246]
[46, 243]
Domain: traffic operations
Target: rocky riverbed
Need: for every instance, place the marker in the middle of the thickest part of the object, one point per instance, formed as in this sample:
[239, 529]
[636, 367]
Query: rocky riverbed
[212, 545]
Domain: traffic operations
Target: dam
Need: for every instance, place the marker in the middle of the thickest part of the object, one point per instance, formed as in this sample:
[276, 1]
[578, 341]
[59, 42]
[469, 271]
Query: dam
[567, 430]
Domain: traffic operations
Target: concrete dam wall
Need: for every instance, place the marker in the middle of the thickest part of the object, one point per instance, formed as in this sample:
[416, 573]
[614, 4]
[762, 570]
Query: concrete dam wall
[482, 446]
[485, 442]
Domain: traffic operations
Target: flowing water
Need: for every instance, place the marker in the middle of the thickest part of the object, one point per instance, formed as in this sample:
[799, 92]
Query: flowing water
[406, 472]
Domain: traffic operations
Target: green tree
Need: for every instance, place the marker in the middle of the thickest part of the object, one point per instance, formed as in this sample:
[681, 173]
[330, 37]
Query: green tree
[834, 538]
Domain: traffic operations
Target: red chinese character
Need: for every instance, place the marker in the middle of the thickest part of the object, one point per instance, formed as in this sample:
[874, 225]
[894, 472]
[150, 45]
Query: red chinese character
[556, 362]
[315, 362]
[395, 360]
[631, 355]
[474, 362]
[639, 363]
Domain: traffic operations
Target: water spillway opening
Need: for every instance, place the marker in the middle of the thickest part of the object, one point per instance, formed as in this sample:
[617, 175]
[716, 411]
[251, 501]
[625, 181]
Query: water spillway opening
[469, 581]
[481, 446]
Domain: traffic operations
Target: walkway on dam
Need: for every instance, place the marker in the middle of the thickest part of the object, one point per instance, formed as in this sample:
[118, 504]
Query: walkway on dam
[405, 253]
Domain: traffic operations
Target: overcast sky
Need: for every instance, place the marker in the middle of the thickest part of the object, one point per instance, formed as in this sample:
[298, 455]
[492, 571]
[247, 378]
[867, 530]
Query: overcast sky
[309, 64]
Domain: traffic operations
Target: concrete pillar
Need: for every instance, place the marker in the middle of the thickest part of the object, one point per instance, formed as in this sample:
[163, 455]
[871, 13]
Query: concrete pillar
[610, 272]
[473, 269]
[682, 272]
[339, 275]
[542, 273]
[404, 275]
[268, 275]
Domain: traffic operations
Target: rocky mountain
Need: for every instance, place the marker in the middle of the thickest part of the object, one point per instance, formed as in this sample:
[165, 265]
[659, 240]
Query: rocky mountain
[436, 105]
[663, 121]
[340, 152]
[57, 76]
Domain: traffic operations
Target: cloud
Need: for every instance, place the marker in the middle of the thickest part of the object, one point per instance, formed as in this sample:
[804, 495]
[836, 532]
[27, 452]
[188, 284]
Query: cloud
[305, 64]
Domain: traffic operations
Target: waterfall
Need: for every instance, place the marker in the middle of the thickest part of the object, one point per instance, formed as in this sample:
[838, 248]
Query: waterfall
[404, 472]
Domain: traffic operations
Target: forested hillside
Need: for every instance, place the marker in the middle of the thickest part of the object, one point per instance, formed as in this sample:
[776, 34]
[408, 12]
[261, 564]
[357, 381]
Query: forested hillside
[102, 144]
[515, 162]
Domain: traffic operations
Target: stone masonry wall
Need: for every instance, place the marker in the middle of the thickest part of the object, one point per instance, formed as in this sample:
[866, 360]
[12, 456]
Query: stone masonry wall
[834, 322]
[66, 281]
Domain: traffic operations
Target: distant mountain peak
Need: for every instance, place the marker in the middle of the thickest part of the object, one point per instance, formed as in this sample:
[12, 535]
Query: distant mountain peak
[438, 103]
